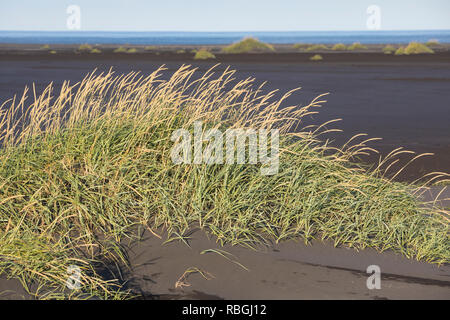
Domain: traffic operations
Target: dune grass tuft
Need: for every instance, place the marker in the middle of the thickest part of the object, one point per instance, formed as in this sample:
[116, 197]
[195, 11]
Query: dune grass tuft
[203, 54]
[414, 48]
[85, 48]
[356, 46]
[300, 46]
[247, 45]
[400, 51]
[339, 47]
[316, 57]
[316, 47]
[417, 48]
[389, 49]
[83, 166]
[120, 50]
[432, 43]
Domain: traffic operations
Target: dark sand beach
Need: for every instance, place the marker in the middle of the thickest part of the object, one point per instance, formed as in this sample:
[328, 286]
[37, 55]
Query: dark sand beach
[286, 271]
[403, 99]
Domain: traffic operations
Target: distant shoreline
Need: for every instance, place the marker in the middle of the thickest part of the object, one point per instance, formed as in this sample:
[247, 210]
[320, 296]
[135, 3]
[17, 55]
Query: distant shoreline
[284, 53]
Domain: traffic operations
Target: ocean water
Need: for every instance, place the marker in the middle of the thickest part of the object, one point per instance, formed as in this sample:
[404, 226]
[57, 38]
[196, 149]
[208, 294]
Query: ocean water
[215, 38]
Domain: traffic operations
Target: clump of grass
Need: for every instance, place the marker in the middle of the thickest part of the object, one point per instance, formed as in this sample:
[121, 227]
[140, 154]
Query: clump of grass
[79, 171]
[85, 48]
[432, 43]
[125, 50]
[300, 46]
[389, 49]
[400, 51]
[316, 57]
[95, 50]
[45, 47]
[52, 51]
[150, 48]
[248, 45]
[203, 54]
[181, 51]
[356, 46]
[317, 47]
[414, 48]
[121, 50]
[417, 48]
[339, 47]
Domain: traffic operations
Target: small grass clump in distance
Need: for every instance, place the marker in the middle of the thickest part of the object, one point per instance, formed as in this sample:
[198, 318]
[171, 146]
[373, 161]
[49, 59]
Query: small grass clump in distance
[316, 57]
[400, 51]
[316, 47]
[86, 168]
[417, 48]
[85, 48]
[248, 45]
[339, 47]
[356, 46]
[300, 46]
[120, 50]
[432, 43]
[203, 54]
[95, 50]
[389, 49]
[414, 48]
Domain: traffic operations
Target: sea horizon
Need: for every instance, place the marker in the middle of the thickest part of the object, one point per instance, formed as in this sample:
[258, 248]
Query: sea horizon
[220, 37]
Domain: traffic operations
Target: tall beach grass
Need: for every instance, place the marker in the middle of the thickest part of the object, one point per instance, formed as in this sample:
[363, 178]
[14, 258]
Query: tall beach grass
[84, 166]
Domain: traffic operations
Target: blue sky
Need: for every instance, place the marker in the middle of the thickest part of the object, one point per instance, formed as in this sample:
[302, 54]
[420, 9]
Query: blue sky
[224, 15]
